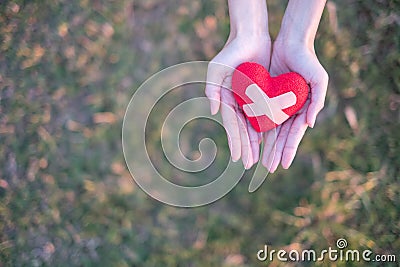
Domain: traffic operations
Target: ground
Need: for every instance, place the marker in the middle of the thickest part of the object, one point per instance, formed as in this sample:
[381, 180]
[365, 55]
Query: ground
[67, 72]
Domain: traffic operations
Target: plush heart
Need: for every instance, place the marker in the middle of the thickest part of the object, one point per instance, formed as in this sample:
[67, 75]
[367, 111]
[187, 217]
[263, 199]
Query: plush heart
[268, 101]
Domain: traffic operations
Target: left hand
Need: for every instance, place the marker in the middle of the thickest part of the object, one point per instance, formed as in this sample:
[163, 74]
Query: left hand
[243, 140]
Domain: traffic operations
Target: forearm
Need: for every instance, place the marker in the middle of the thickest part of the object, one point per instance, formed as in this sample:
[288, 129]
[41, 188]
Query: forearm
[301, 20]
[248, 17]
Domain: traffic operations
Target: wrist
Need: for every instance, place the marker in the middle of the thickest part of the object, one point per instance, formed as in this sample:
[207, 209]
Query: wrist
[248, 18]
[246, 28]
[300, 22]
[290, 41]
[292, 34]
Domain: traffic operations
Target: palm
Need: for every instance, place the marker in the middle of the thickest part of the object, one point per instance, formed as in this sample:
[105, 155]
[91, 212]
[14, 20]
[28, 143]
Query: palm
[243, 139]
[281, 146]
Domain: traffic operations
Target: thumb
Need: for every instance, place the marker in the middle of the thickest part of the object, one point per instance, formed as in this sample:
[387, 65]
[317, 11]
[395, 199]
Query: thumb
[218, 76]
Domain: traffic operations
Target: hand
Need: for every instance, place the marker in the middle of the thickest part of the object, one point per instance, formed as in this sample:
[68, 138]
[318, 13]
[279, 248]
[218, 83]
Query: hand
[243, 140]
[281, 145]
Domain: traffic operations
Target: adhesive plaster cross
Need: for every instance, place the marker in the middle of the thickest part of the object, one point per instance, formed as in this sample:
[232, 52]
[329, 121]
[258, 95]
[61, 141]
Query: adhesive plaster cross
[270, 107]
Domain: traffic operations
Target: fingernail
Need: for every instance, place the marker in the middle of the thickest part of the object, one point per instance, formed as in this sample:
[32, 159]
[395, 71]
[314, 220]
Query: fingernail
[312, 124]
[214, 104]
[245, 164]
[274, 167]
[235, 158]
[285, 166]
[213, 110]
[249, 164]
[287, 161]
[264, 164]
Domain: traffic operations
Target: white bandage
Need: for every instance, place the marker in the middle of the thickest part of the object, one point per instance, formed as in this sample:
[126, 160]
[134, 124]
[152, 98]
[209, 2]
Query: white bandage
[270, 107]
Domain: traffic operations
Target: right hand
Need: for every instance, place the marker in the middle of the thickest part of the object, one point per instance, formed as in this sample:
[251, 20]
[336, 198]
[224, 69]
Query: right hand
[300, 58]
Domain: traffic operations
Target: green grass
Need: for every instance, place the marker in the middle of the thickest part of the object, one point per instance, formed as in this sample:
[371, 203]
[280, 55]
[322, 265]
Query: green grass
[67, 71]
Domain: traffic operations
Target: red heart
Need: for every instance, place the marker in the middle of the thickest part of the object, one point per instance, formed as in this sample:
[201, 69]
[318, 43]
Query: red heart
[268, 101]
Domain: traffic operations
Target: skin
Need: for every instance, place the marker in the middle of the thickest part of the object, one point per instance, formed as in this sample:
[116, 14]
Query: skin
[293, 50]
[248, 41]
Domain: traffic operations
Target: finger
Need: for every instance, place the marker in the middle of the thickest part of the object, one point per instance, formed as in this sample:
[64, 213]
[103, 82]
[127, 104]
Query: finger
[269, 147]
[213, 94]
[260, 137]
[296, 133]
[215, 76]
[254, 142]
[280, 143]
[319, 86]
[230, 122]
[246, 151]
[213, 86]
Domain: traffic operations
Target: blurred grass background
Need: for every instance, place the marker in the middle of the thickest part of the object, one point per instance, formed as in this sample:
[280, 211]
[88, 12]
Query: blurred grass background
[67, 71]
